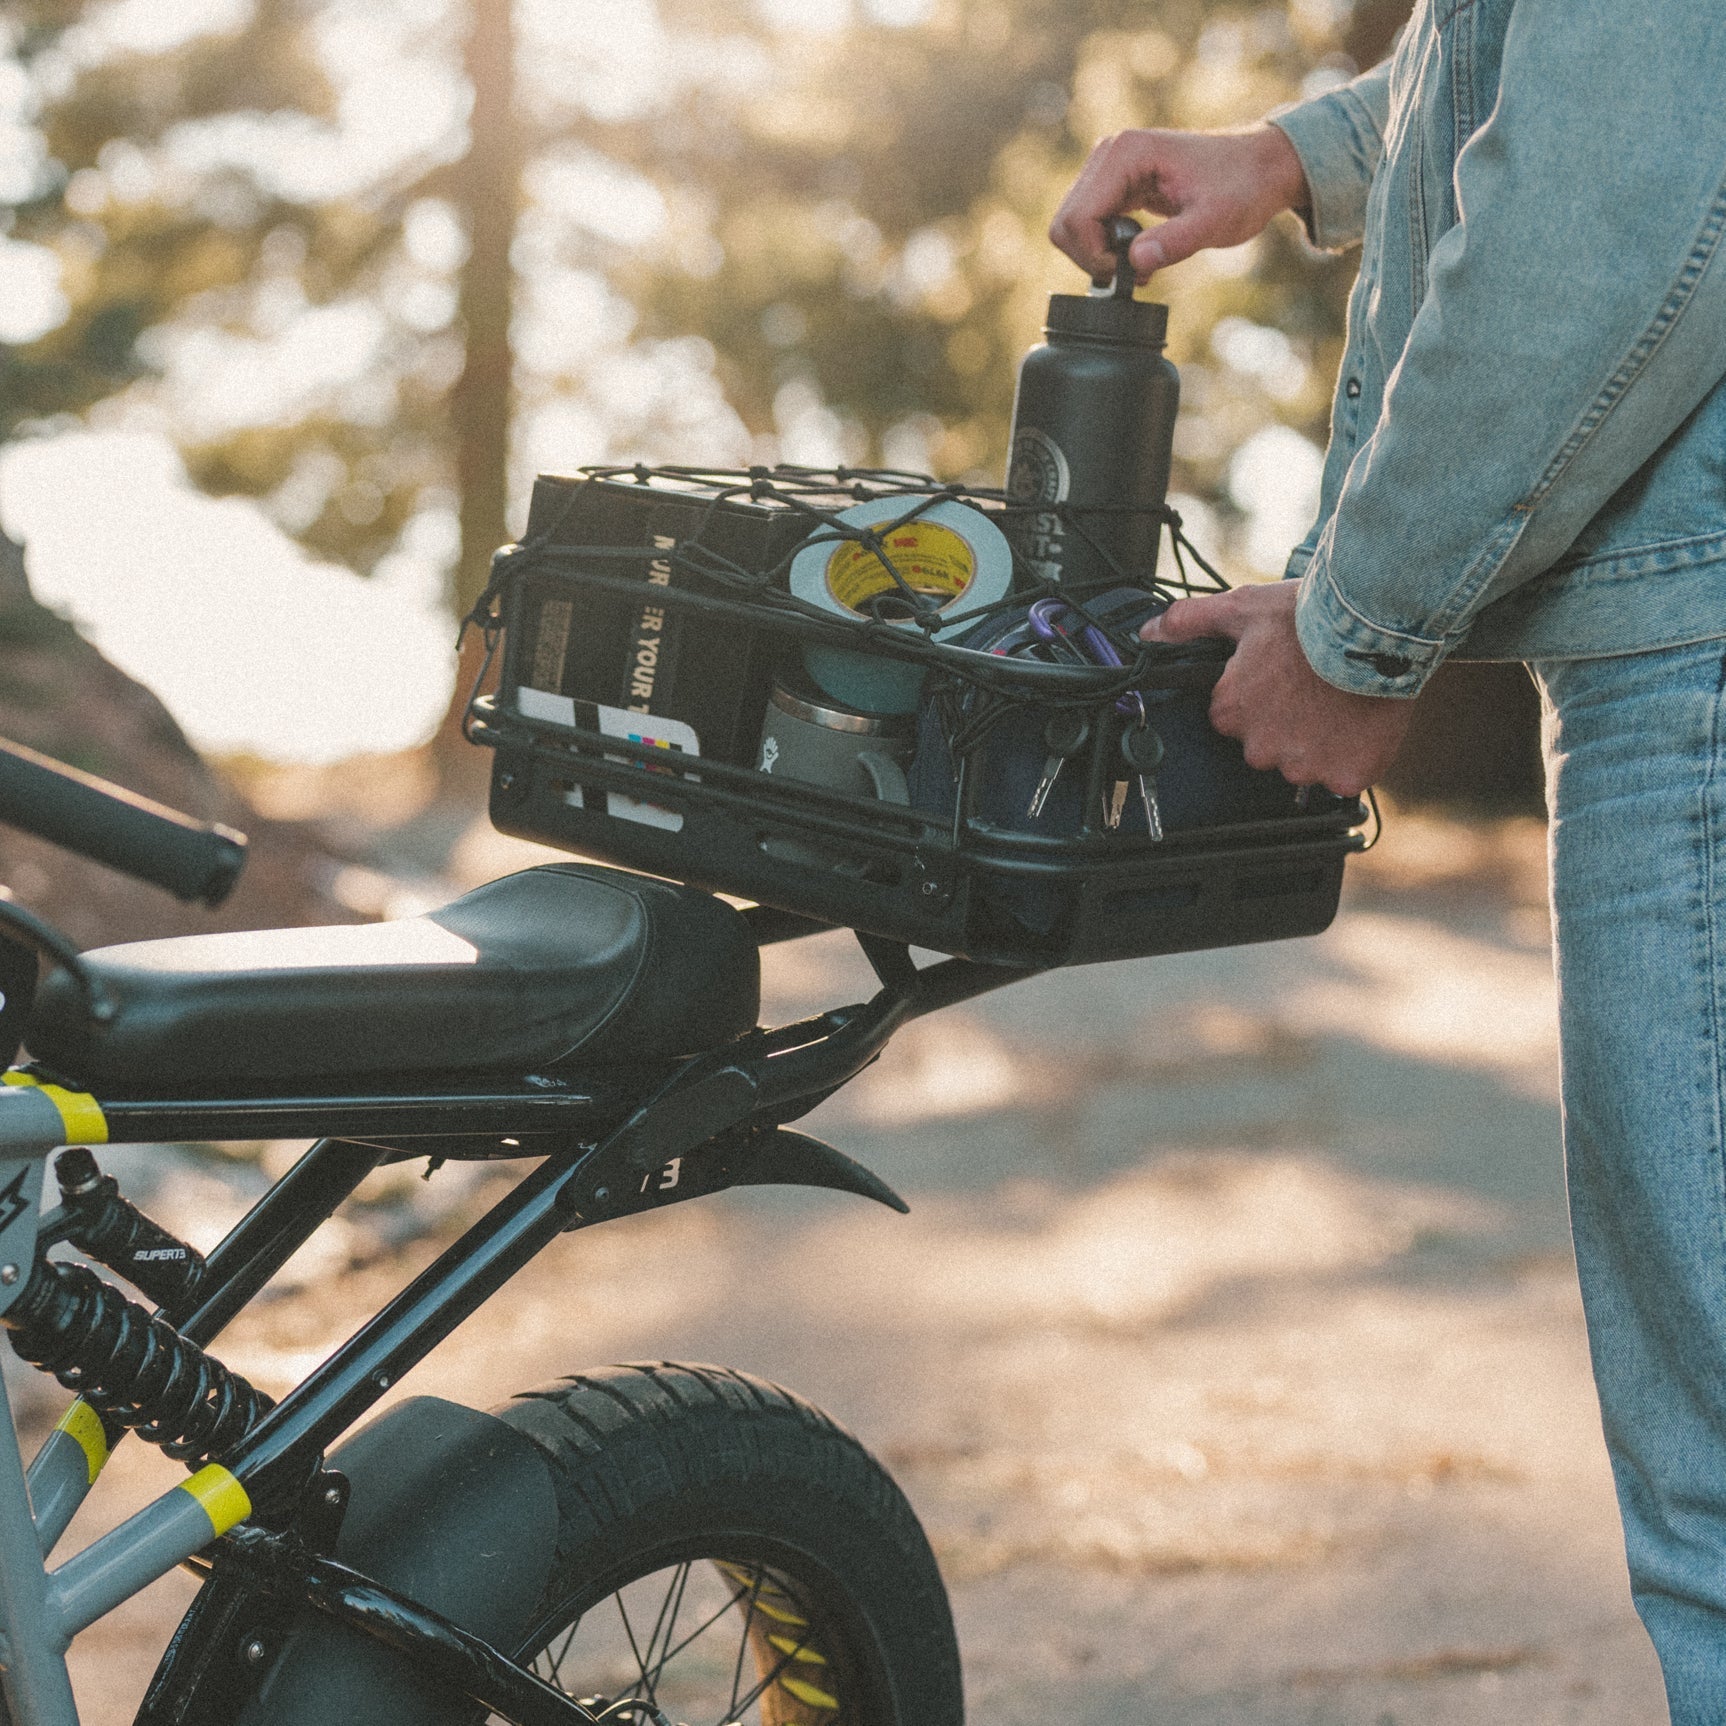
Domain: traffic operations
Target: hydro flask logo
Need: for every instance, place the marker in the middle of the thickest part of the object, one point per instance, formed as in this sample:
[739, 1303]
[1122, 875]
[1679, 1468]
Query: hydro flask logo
[1038, 474]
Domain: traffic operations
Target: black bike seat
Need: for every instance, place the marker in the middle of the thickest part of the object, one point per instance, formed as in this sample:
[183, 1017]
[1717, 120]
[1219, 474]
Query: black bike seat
[569, 960]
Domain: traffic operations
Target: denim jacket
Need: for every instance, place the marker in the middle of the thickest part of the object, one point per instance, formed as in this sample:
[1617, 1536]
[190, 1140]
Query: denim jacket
[1528, 442]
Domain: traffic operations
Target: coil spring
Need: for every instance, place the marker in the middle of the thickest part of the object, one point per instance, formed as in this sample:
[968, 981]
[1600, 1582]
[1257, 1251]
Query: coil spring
[130, 1365]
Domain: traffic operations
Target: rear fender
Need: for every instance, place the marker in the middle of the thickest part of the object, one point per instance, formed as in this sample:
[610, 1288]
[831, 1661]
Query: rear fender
[449, 1506]
[758, 1157]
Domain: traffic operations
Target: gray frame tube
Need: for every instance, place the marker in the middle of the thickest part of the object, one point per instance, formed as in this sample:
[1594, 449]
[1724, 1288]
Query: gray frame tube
[59, 1481]
[37, 1688]
[129, 1558]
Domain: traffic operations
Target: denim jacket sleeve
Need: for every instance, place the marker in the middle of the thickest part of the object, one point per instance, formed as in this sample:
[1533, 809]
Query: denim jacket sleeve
[1339, 138]
[1574, 315]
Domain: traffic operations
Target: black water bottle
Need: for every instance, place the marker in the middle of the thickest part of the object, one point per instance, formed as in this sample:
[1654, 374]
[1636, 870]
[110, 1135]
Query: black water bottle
[1093, 429]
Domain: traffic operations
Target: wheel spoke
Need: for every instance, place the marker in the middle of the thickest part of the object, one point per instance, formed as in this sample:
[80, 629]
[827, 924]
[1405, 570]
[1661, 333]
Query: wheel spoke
[634, 1646]
[663, 1645]
[705, 1625]
[732, 1709]
[556, 1675]
[652, 1674]
[665, 1623]
[760, 1689]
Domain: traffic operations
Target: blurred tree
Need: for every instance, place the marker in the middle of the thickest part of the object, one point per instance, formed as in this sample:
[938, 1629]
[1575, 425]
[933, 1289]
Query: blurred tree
[880, 200]
[851, 217]
[327, 335]
[696, 229]
[181, 252]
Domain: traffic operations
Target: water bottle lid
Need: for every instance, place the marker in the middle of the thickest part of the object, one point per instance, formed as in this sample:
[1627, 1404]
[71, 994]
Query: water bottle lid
[1105, 317]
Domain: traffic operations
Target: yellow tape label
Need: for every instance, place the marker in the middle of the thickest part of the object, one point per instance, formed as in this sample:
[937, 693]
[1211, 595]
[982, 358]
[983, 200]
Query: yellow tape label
[80, 1114]
[82, 1424]
[931, 560]
[220, 1493]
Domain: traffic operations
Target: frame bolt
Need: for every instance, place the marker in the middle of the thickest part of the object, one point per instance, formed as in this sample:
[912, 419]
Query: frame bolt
[601, 1194]
[382, 1381]
[332, 1495]
[254, 1651]
[8, 1274]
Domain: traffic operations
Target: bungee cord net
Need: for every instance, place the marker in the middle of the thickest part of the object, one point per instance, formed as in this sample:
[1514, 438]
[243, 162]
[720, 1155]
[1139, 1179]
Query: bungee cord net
[818, 498]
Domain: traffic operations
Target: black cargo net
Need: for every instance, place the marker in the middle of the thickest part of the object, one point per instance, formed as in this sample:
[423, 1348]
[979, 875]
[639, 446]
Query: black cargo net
[821, 496]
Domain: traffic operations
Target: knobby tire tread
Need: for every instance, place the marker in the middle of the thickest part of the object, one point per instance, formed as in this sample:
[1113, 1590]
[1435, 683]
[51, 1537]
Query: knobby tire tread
[634, 1448]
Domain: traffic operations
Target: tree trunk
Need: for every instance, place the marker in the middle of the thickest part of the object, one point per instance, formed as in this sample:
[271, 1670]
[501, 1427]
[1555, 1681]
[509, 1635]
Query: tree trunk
[1372, 28]
[483, 398]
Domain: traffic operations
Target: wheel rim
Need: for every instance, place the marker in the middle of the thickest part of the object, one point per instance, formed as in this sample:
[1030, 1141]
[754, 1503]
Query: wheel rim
[710, 1640]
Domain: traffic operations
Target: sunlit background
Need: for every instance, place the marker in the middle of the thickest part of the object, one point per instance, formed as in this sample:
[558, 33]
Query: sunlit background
[244, 304]
[1231, 1351]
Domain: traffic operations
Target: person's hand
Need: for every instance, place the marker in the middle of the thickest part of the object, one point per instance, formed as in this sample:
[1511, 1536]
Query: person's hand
[1216, 188]
[1284, 714]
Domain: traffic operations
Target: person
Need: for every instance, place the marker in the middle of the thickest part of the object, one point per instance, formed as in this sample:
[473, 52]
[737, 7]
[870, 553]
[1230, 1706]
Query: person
[1528, 461]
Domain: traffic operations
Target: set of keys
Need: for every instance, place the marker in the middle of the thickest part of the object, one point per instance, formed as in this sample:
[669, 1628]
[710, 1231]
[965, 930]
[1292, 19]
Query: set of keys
[1141, 750]
[1067, 732]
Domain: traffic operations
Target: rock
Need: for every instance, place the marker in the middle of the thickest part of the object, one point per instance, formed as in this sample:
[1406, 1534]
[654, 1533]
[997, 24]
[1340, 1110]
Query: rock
[60, 696]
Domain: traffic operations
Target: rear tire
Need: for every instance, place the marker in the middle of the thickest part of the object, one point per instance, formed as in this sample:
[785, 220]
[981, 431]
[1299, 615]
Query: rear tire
[728, 1553]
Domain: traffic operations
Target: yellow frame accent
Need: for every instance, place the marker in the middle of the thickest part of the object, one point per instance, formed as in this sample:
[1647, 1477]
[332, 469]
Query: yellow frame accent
[82, 1424]
[222, 1496]
[80, 1114]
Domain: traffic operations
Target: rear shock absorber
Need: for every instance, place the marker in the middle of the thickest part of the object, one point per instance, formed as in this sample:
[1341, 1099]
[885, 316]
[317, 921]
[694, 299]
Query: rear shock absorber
[106, 1226]
[130, 1364]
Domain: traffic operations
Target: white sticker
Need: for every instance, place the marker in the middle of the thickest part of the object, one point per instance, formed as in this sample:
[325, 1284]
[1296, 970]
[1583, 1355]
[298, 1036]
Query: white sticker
[547, 708]
[648, 728]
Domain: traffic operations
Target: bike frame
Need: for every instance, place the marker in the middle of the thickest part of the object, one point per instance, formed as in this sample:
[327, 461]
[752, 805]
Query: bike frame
[265, 1517]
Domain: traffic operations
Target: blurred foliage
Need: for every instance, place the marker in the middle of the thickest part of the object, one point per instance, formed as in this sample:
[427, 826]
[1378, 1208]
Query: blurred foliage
[169, 262]
[850, 244]
[874, 226]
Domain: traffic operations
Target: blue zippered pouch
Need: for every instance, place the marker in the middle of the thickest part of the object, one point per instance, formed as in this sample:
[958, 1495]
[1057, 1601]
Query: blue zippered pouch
[1202, 780]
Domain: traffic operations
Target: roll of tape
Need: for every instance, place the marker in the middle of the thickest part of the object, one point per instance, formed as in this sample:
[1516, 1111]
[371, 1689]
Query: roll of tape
[947, 552]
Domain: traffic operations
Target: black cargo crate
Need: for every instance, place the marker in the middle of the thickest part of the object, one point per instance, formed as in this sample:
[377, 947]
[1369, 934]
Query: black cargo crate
[701, 554]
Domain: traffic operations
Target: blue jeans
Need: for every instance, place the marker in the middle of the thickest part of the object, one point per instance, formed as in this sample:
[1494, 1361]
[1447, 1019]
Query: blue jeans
[1636, 783]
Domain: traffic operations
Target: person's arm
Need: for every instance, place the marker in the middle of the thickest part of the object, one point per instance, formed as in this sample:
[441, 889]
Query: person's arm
[1574, 316]
[1339, 138]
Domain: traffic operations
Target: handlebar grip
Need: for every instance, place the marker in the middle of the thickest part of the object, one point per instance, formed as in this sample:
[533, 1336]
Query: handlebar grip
[118, 828]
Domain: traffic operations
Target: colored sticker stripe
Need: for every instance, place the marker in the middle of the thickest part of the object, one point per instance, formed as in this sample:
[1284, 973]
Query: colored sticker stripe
[83, 1424]
[220, 1493]
[797, 1651]
[80, 1114]
[757, 1583]
[806, 1692]
[778, 1613]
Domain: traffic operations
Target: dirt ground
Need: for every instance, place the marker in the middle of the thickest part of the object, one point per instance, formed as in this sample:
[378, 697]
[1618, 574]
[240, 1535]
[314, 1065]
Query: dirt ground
[1231, 1351]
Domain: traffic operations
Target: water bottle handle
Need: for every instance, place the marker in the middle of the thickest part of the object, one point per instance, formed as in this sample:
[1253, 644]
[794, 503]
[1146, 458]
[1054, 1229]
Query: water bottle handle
[886, 775]
[1119, 232]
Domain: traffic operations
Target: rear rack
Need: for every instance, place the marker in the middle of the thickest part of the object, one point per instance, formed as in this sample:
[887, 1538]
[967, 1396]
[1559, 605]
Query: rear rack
[706, 552]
